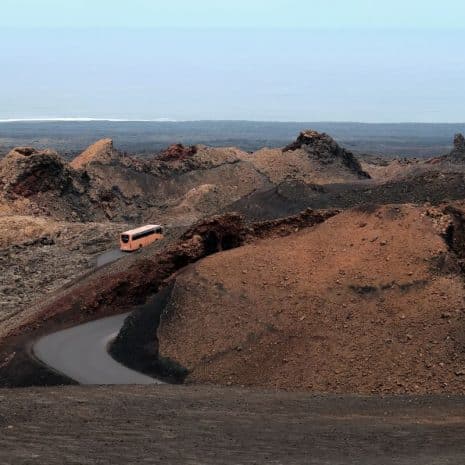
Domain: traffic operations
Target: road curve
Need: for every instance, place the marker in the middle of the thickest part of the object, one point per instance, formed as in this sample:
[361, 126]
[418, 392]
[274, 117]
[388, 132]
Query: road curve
[81, 354]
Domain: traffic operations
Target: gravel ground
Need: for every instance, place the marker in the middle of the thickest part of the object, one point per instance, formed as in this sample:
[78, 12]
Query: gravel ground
[200, 425]
[49, 260]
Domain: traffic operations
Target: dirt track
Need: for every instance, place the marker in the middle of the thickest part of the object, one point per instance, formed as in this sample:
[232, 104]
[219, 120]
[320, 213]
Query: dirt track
[198, 425]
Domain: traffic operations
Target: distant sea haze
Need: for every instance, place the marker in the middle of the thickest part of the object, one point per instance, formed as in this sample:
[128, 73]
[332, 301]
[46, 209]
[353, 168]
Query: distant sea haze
[114, 120]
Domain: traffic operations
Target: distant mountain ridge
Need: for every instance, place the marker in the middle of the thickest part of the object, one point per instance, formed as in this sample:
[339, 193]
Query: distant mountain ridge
[72, 137]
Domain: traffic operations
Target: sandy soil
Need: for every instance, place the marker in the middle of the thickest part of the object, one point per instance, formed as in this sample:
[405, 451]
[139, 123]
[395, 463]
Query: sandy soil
[197, 425]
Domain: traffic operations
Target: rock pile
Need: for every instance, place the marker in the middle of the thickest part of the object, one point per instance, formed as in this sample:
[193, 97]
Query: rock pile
[326, 150]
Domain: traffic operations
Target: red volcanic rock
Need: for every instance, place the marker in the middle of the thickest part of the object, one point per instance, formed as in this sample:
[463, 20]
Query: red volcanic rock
[177, 152]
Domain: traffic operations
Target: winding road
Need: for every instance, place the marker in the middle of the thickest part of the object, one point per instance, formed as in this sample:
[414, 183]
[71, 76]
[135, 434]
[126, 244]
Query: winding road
[211, 425]
[81, 354]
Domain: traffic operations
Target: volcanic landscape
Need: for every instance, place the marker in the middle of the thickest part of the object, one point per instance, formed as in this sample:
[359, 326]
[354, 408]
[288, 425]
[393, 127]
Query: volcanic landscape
[308, 269]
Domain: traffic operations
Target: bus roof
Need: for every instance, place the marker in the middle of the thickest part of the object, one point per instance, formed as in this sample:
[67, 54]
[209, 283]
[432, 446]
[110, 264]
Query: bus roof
[142, 229]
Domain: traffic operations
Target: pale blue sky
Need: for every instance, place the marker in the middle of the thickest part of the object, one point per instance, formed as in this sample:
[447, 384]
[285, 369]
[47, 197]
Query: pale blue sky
[275, 60]
[237, 13]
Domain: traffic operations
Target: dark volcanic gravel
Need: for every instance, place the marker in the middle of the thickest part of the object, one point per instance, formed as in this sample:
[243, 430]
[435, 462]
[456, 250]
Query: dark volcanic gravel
[200, 425]
[291, 197]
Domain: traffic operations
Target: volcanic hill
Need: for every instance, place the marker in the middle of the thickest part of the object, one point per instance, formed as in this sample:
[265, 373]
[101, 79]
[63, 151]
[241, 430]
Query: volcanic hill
[369, 301]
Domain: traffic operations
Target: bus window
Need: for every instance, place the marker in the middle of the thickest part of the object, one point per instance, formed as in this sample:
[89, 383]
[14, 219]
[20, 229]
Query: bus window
[125, 238]
[143, 234]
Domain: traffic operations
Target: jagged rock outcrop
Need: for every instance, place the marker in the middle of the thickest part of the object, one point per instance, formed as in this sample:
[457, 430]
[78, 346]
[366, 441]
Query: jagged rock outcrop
[101, 151]
[26, 171]
[458, 152]
[326, 150]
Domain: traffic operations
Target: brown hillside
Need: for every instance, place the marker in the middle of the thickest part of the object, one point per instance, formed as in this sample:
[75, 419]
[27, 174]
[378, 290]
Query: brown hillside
[365, 302]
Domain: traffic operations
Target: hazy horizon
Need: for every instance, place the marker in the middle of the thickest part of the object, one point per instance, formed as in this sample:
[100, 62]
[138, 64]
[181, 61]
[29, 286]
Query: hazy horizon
[256, 61]
[167, 120]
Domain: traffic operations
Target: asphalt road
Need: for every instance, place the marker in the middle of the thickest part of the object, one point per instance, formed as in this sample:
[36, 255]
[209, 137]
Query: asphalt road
[81, 354]
[109, 256]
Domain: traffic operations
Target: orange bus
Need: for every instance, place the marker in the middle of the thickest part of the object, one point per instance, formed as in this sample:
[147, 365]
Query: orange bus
[140, 237]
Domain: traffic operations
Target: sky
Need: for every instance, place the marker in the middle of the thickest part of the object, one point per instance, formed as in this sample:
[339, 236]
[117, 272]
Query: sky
[290, 60]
